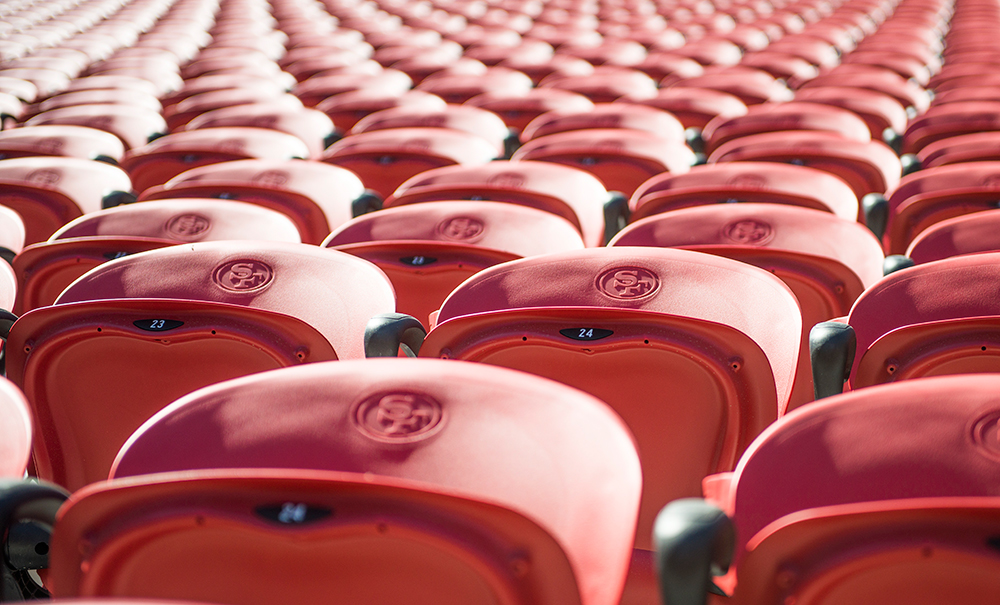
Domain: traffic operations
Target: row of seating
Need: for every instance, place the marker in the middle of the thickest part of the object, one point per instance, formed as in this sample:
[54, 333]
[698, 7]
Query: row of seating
[539, 205]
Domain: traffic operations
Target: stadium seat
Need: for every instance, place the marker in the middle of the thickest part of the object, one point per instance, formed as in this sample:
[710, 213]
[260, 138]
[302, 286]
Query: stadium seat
[135, 126]
[312, 127]
[606, 115]
[45, 269]
[136, 333]
[606, 84]
[967, 234]
[928, 196]
[777, 117]
[428, 249]
[879, 111]
[348, 108]
[974, 147]
[621, 158]
[752, 86]
[416, 527]
[573, 194]
[870, 167]
[320, 87]
[850, 501]
[100, 96]
[825, 260]
[631, 325]
[161, 160]
[745, 182]
[696, 107]
[317, 197]
[179, 114]
[950, 120]
[384, 159]
[48, 192]
[63, 141]
[907, 93]
[465, 118]
[927, 320]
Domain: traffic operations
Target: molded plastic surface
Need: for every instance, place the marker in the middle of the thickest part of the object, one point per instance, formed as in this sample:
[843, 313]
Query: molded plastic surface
[573, 194]
[745, 182]
[696, 372]
[16, 428]
[550, 453]
[317, 197]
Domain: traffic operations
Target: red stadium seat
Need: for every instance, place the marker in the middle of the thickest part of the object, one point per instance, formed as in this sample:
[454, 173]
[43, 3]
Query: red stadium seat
[166, 157]
[179, 114]
[879, 111]
[416, 527]
[48, 192]
[428, 249]
[317, 197]
[926, 197]
[952, 119]
[826, 261]
[721, 337]
[745, 182]
[696, 107]
[851, 501]
[573, 194]
[606, 84]
[16, 427]
[384, 159]
[777, 117]
[621, 158]
[606, 115]
[312, 127]
[62, 141]
[45, 269]
[135, 126]
[870, 167]
[138, 332]
[927, 320]
[465, 118]
[348, 108]
[752, 86]
[967, 234]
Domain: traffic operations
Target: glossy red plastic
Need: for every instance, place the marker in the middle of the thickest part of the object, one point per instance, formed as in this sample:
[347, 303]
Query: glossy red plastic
[968, 234]
[826, 261]
[851, 500]
[696, 352]
[428, 249]
[138, 332]
[777, 117]
[316, 196]
[745, 182]
[573, 194]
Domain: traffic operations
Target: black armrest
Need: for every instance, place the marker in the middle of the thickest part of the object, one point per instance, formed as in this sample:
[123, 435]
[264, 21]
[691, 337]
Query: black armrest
[694, 541]
[27, 514]
[876, 211]
[616, 214]
[832, 347]
[369, 201]
[385, 333]
[895, 262]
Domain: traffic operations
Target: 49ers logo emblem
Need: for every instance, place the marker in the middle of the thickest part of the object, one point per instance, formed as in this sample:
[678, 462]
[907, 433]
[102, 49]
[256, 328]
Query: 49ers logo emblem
[243, 275]
[628, 283]
[398, 417]
[748, 232]
[461, 228]
[188, 226]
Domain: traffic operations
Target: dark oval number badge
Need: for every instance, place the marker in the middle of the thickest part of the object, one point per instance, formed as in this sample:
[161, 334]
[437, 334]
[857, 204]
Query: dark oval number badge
[586, 333]
[157, 325]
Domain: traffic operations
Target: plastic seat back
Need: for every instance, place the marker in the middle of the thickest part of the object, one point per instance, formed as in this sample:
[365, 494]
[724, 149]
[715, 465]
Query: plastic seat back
[826, 261]
[877, 494]
[317, 197]
[45, 269]
[969, 234]
[138, 332]
[161, 160]
[573, 194]
[933, 319]
[428, 249]
[697, 353]
[498, 422]
[48, 192]
[777, 117]
[63, 141]
[745, 182]
[870, 167]
[385, 159]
